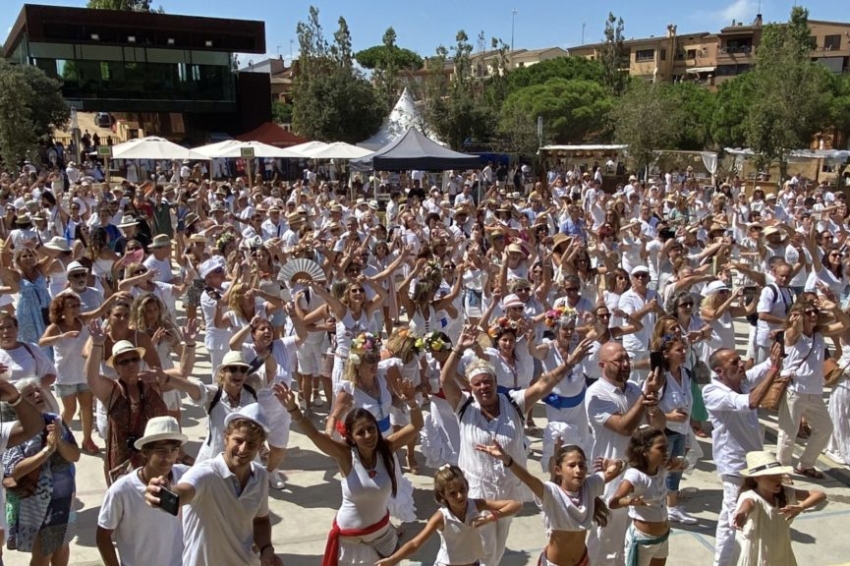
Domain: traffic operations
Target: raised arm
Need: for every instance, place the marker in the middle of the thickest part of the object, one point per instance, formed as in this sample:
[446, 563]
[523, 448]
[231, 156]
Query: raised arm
[550, 379]
[526, 477]
[448, 374]
[101, 387]
[339, 451]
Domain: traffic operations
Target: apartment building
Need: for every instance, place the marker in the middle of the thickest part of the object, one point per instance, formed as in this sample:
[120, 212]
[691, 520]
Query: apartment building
[711, 58]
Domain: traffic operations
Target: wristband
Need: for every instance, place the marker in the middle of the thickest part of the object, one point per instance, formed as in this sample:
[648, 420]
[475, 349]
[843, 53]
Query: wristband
[17, 401]
[265, 546]
[496, 515]
[189, 345]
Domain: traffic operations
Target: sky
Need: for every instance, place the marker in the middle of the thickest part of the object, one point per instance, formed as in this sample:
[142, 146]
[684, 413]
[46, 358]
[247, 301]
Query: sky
[424, 25]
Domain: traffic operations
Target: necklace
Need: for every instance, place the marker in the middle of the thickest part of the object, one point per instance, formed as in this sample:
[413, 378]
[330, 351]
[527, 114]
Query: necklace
[370, 470]
[574, 497]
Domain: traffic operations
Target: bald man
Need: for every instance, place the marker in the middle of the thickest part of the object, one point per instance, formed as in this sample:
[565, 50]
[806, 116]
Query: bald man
[616, 407]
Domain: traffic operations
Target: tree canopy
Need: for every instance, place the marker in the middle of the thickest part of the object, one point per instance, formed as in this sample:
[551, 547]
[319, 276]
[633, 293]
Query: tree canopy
[122, 5]
[31, 106]
[402, 58]
[568, 68]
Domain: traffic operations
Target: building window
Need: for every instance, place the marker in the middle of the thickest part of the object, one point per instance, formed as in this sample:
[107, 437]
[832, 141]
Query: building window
[692, 54]
[663, 55]
[832, 42]
[642, 55]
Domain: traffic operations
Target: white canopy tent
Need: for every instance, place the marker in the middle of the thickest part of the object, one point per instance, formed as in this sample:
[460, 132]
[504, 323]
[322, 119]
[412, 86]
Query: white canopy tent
[403, 116]
[231, 149]
[340, 150]
[152, 147]
[305, 149]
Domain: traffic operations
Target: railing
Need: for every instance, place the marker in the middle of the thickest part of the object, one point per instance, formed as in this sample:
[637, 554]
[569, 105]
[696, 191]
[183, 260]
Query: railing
[742, 49]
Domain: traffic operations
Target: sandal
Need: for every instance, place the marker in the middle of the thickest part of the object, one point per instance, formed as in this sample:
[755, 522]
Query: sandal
[699, 433]
[809, 473]
[90, 448]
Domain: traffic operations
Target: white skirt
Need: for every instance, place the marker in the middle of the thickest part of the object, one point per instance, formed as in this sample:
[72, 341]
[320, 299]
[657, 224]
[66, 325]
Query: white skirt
[440, 436]
[839, 412]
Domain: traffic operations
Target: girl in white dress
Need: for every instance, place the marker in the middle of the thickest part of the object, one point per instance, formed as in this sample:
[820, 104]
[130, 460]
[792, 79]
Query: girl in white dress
[361, 532]
[765, 510]
[570, 501]
[440, 435]
[457, 520]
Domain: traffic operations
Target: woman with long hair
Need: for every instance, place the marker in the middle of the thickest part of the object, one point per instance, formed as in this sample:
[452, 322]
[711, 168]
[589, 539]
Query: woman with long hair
[421, 303]
[617, 282]
[403, 352]
[28, 275]
[361, 532]
[102, 258]
[194, 255]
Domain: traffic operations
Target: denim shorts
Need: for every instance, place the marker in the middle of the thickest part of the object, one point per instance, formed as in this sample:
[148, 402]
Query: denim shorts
[676, 445]
[70, 390]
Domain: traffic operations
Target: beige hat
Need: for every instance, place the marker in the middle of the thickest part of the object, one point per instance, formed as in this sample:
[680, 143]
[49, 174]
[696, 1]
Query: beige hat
[161, 428]
[762, 463]
[160, 241]
[122, 347]
[515, 248]
[233, 358]
[58, 244]
[294, 217]
[129, 220]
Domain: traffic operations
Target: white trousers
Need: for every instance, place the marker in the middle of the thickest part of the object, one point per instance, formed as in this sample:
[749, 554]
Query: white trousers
[605, 545]
[725, 536]
[791, 411]
[494, 536]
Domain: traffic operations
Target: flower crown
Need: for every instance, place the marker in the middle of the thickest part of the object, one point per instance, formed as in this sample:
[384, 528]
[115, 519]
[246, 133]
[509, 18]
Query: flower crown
[554, 315]
[435, 342]
[364, 344]
[502, 324]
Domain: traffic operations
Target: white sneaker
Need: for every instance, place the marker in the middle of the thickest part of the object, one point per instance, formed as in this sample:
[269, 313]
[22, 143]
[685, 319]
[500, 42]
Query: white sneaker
[835, 457]
[317, 401]
[276, 481]
[676, 515]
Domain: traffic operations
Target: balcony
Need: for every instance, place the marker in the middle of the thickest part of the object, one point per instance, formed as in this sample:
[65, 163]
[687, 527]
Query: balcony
[735, 53]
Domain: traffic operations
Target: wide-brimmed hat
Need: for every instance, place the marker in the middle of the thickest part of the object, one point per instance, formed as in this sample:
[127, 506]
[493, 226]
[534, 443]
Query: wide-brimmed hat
[190, 219]
[639, 269]
[770, 230]
[252, 412]
[127, 221]
[58, 244]
[122, 347]
[558, 240]
[23, 219]
[515, 248]
[197, 239]
[294, 217]
[160, 241]
[762, 463]
[161, 428]
[714, 287]
[512, 300]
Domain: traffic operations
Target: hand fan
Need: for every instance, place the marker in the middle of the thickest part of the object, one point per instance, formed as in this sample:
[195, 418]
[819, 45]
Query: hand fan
[300, 269]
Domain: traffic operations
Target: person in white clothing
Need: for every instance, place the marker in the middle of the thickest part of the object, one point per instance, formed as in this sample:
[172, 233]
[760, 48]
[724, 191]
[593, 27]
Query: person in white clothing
[616, 407]
[225, 500]
[641, 303]
[732, 399]
[485, 416]
[124, 515]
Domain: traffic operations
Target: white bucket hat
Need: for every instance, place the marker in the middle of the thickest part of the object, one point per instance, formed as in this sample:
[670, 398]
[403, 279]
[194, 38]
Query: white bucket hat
[252, 412]
[161, 428]
[58, 244]
[233, 358]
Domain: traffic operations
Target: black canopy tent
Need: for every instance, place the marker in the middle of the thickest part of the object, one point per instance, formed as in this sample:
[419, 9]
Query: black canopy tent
[414, 150]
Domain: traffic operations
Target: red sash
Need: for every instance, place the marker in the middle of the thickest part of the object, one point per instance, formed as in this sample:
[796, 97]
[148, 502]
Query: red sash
[332, 547]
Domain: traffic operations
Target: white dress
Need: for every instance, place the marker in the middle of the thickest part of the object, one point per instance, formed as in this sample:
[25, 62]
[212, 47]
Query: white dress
[766, 536]
[839, 412]
[440, 436]
[347, 330]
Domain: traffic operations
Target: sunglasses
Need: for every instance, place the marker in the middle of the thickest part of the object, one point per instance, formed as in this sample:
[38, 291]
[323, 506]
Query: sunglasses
[686, 305]
[236, 369]
[641, 275]
[78, 275]
[812, 311]
[604, 315]
[571, 290]
[129, 361]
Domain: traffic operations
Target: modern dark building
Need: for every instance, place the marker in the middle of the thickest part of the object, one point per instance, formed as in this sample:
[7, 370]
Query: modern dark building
[149, 64]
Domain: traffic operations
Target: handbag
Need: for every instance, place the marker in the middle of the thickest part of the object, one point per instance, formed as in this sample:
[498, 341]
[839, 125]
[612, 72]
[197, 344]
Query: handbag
[832, 372]
[776, 392]
[24, 487]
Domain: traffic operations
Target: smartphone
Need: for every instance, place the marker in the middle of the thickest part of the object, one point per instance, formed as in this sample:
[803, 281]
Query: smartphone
[656, 360]
[780, 339]
[169, 501]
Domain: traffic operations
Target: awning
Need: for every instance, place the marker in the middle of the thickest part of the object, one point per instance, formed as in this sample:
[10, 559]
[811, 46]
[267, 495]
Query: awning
[698, 70]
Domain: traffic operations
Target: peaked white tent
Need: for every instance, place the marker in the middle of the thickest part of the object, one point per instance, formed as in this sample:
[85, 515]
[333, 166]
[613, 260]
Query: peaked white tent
[305, 149]
[403, 117]
[233, 149]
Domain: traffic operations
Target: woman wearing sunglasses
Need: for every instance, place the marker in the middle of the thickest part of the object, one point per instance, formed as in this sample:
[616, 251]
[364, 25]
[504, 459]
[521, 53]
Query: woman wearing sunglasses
[134, 397]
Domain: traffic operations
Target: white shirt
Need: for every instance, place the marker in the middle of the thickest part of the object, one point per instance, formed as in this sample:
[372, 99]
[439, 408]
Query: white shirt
[284, 351]
[652, 490]
[775, 303]
[560, 513]
[630, 303]
[735, 427]
[144, 535]
[603, 400]
[218, 525]
[27, 360]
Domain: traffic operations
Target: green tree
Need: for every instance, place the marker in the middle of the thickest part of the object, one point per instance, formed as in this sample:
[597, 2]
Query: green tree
[734, 98]
[31, 106]
[385, 76]
[840, 107]
[568, 68]
[281, 112]
[647, 118]
[793, 97]
[332, 101]
[402, 58]
[573, 111]
[122, 5]
[696, 109]
[613, 56]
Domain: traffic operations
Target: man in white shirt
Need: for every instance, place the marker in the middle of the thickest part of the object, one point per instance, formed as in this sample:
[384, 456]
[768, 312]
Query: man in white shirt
[226, 499]
[732, 400]
[273, 226]
[774, 302]
[642, 304]
[616, 407]
[144, 535]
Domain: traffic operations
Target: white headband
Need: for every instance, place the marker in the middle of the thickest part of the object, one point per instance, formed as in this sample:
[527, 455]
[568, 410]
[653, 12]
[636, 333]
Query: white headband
[483, 370]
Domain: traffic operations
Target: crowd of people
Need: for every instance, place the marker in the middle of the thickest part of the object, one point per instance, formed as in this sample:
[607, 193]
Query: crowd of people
[433, 332]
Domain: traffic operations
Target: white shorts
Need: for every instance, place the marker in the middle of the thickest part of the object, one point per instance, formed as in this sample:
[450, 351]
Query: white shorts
[310, 359]
[278, 418]
[172, 399]
[645, 552]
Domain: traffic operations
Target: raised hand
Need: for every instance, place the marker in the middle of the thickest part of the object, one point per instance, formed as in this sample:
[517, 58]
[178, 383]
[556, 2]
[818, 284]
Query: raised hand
[98, 336]
[285, 396]
[495, 450]
[791, 511]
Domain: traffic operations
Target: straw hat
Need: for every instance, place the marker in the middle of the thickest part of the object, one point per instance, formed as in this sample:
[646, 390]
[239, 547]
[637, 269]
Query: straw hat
[76, 266]
[512, 300]
[762, 463]
[191, 218]
[233, 358]
[197, 239]
[515, 248]
[161, 428]
[22, 219]
[294, 218]
[128, 220]
[160, 241]
[122, 347]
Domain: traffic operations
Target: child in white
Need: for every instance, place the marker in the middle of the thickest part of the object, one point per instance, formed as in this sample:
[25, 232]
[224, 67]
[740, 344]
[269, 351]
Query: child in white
[457, 520]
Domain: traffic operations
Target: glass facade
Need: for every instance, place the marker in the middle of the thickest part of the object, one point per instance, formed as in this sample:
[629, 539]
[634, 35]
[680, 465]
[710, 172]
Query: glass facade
[104, 72]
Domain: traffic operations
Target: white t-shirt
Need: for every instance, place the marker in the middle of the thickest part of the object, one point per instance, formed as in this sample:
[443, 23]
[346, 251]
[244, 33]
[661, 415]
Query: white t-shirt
[144, 535]
[218, 525]
[560, 513]
[654, 493]
[26, 360]
[5, 433]
[776, 301]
